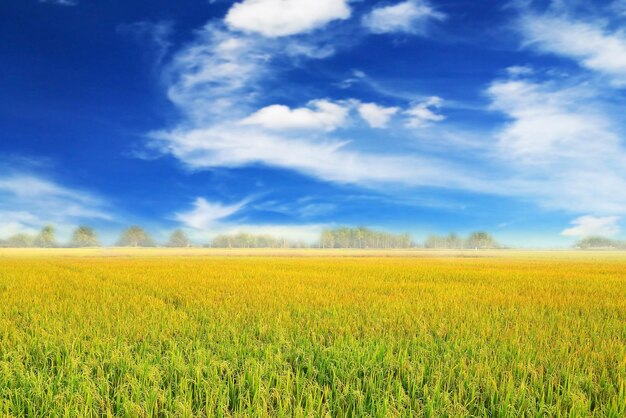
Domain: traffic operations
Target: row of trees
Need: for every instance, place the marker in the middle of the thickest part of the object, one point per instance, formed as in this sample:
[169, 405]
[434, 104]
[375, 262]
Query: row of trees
[476, 240]
[600, 243]
[363, 238]
[45, 239]
[243, 240]
[85, 236]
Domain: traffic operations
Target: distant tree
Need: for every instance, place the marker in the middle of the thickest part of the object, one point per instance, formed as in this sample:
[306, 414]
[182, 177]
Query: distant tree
[20, 241]
[222, 241]
[435, 241]
[84, 236]
[327, 239]
[244, 240]
[480, 240]
[178, 239]
[135, 236]
[453, 241]
[362, 237]
[596, 242]
[46, 238]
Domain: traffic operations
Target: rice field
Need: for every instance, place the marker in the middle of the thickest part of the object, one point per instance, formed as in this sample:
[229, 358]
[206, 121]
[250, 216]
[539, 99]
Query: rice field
[160, 333]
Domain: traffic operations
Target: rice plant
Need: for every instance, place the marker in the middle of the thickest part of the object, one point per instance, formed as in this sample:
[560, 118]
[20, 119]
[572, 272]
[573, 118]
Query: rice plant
[433, 334]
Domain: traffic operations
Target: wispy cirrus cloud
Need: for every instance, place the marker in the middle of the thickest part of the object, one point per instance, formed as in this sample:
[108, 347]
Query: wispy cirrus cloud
[591, 43]
[563, 147]
[157, 34]
[217, 81]
[559, 147]
[425, 113]
[28, 202]
[205, 214]
[329, 160]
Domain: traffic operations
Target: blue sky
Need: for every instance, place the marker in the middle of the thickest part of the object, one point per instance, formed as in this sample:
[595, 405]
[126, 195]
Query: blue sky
[288, 116]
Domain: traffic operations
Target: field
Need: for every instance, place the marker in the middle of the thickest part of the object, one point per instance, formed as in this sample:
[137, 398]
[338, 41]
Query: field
[312, 333]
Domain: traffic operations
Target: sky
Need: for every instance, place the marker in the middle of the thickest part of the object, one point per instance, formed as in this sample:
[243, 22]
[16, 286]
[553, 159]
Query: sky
[290, 116]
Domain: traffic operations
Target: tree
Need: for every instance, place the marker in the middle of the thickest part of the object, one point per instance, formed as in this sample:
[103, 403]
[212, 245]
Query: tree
[178, 239]
[46, 238]
[596, 242]
[453, 241]
[20, 241]
[435, 241]
[244, 240]
[481, 240]
[327, 240]
[362, 237]
[135, 236]
[84, 236]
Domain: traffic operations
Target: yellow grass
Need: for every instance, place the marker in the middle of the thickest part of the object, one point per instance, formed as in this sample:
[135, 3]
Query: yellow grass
[202, 332]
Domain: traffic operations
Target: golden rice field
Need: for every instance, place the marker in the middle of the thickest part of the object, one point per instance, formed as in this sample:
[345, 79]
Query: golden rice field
[157, 333]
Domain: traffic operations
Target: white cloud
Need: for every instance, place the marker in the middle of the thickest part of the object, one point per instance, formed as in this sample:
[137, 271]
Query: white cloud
[205, 214]
[410, 16]
[375, 115]
[276, 18]
[561, 147]
[215, 81]
[424, 114]
[587, 226]
[28, 202]
[551, 124]
[591, 44]
[236, 146]
[217, 76]
[319, 115]
[519, 71]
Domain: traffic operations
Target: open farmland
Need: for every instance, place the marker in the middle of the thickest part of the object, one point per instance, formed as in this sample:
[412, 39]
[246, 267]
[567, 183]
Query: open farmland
[312, 333]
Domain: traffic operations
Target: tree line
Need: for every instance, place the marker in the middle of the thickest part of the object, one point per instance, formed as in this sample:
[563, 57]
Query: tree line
[600, 243]
[476, 240]
[342, 237]
[85, 236]
[363, 238]
[244, 240]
